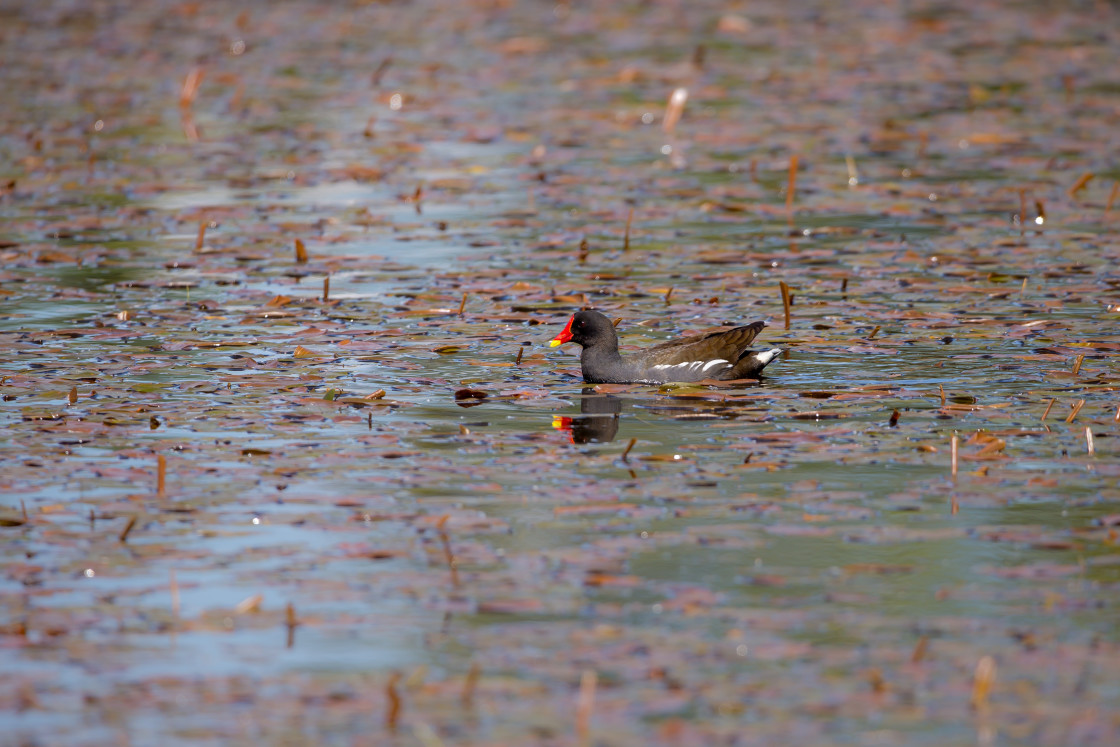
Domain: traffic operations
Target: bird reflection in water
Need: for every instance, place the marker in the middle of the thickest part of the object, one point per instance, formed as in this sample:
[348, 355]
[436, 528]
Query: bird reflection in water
[598, 419]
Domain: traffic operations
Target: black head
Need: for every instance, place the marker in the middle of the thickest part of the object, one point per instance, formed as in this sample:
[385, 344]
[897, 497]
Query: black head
[587, 328]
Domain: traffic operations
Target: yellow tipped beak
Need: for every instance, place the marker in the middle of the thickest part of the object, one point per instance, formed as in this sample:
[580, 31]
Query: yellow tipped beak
[564, 336]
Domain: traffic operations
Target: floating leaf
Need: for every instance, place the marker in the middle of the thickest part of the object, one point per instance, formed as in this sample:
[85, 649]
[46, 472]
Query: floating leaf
[249, 605]
[470, 397]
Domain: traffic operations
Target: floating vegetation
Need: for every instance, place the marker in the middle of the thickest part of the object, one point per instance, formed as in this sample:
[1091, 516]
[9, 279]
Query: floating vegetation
[277, 292]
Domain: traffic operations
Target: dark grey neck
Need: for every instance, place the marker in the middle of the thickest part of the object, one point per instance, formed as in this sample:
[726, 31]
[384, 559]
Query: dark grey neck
[602, 364]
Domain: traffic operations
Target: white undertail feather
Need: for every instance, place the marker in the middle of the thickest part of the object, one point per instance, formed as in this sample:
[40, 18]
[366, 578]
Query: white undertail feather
[767, 355]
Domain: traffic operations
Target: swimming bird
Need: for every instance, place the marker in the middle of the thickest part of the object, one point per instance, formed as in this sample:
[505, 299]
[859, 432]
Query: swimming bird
[722, 355]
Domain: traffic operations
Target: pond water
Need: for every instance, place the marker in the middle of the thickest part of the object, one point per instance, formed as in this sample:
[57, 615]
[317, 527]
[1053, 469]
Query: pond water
[246, 499]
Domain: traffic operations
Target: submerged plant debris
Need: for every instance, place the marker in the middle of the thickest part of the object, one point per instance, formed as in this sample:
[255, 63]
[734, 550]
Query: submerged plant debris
[287, 459]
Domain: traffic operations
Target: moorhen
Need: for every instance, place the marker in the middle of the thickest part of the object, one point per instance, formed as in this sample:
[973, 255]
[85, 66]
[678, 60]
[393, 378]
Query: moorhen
[721, 355]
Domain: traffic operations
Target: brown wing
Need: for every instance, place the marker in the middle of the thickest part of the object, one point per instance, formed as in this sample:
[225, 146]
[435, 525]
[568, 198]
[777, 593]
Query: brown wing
[727, 344]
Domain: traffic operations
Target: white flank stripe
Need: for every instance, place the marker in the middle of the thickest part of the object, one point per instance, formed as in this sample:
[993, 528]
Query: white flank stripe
[693, 365]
